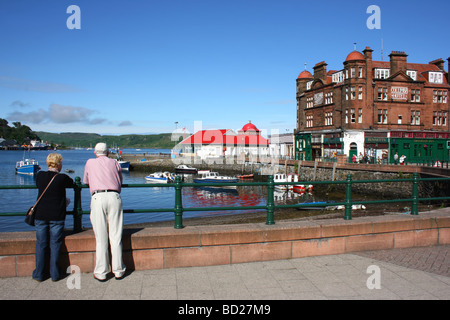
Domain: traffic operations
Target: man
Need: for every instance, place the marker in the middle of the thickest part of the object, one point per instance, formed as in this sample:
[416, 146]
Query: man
[104, 177]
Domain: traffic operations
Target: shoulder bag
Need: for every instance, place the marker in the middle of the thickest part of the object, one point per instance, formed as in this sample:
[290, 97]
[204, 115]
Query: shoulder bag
[29, 218]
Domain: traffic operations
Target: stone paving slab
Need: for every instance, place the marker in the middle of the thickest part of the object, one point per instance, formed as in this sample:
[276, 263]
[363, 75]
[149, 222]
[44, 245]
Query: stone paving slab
[403, 274]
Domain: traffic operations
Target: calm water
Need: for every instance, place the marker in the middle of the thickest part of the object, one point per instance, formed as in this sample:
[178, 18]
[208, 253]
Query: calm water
[20, 200]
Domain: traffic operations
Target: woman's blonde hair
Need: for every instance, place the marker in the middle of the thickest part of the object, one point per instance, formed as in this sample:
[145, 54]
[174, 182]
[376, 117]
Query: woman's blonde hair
[54, 160]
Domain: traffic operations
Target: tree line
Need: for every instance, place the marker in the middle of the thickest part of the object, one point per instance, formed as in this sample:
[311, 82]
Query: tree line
[22, 134]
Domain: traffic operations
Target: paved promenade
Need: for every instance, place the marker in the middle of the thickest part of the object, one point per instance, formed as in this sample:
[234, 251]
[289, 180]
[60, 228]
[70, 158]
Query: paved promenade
[410, 274]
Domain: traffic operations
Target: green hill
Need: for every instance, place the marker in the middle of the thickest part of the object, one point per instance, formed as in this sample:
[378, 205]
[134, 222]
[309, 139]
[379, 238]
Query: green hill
[85, 140]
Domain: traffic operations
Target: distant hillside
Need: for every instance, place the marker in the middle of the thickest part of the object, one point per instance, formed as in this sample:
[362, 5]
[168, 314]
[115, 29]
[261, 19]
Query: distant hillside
[85, 140]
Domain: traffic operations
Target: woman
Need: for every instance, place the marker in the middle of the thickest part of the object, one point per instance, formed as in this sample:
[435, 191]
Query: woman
[50, 216]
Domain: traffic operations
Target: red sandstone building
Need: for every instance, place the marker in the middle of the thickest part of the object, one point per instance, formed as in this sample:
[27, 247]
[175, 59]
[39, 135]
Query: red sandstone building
[372, 107]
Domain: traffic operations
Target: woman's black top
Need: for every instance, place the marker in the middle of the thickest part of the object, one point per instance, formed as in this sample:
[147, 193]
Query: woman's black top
[52, 206]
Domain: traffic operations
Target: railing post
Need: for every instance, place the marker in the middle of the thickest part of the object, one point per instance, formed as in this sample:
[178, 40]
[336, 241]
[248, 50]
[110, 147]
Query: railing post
[415, 194]
[348, 198]
[77, 210]
[178, 204]
[270, 201]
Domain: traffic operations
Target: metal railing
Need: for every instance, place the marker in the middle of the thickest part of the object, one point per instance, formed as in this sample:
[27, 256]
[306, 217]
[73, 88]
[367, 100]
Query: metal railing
[270, 206]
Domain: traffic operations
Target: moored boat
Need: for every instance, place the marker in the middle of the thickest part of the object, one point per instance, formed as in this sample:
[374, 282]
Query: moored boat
[125, 165]
[214, 177]
[160, 177]
[246, 176]
[27, 166]
[183, 168]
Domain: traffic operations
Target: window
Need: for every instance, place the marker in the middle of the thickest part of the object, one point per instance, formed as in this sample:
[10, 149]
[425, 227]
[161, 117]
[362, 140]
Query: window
[382, 73]
[440, 96]
[415, 117]
[435, 77]
[352, 72]
[346, 93]
[353, 93]
[308, 85]
[382, 94]
[359, 115]
[328, 118]
[309, 102]
[415, 95]
[399, 119]
[352, 115]
[329, 98]
[412, 74]
[309, 121]
[360, 72]
[439, 118]
[360, 93]
[382, 116]
[346, 115]
[338, 77]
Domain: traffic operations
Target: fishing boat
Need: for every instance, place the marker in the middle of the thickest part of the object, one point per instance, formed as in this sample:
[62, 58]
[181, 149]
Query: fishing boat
[27, 166]
[125, 165]
[160, 177]
[280, 177]
[214, 177]
[182, 168]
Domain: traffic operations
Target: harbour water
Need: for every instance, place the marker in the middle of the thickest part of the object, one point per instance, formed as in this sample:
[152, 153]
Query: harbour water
[19, 200]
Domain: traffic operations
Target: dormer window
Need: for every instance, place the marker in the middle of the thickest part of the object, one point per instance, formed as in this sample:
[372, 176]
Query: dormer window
[412, 74]
[382, 73]
[435, 77]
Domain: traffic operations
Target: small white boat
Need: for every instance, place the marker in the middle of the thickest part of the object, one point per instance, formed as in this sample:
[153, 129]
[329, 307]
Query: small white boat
[214, 177]
[292, 177]
[183, 168]
[160, 177]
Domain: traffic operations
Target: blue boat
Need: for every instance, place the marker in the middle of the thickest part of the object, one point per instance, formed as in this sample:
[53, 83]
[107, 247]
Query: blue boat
[125, 165]
[27, 166]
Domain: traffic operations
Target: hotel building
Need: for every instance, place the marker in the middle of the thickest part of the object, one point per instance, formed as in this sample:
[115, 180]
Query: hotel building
[378, 108]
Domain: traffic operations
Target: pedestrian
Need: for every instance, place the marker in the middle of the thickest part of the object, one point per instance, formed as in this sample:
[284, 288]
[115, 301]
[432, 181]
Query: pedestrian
[50, 215]
[396, 158]
[104, 177]
[402, 160]
[354, 158]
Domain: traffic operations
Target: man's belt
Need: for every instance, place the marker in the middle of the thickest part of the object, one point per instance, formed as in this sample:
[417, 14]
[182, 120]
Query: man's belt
[100, 191]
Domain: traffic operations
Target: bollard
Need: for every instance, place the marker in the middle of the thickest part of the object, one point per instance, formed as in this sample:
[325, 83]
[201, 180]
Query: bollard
[77, 211]
[415, 195]
[178, 204]
[270, 201]
[348, 198]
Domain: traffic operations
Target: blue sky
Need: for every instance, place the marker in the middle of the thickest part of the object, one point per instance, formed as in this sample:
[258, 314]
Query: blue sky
[141, 66]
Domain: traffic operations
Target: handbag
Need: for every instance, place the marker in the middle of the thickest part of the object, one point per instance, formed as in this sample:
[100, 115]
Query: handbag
[29, 218]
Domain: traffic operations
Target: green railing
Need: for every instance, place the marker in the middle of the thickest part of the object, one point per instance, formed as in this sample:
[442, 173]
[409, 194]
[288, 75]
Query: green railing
[270, 206]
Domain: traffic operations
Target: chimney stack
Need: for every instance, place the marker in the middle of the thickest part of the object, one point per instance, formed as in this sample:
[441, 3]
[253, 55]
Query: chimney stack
[320, 71]
[398, 62]
[439, 63]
